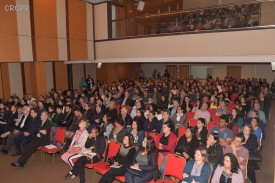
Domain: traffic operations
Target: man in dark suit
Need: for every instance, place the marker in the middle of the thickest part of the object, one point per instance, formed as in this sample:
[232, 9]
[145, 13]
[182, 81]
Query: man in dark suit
[42, 139]
[25, 137]
[127, 100]
[8, 124]
[68, 119]
[126, 117]
[20, 128]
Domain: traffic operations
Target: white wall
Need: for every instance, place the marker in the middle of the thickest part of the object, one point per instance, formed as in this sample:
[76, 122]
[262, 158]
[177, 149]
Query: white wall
[49, 76]
[199, 71]
[148, 69]
[15, 75]
[77, 75]
[91, 69]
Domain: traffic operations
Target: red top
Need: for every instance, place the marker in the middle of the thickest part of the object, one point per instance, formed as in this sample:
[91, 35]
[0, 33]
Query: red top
[172, 142]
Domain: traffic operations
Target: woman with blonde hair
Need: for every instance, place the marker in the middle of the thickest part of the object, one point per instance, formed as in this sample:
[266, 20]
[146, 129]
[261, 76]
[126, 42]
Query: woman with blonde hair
[77, 146]
[197, 169]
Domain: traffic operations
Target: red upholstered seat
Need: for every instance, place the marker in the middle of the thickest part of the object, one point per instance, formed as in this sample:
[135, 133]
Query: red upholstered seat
[174, 167]
[193, 122]
[216, 119]
[102, 167]
[47, 150]
[211, 125]
[164, 181]
[120, 178]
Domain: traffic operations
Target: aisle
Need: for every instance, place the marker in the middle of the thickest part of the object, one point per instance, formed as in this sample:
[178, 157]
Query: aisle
[266, 174]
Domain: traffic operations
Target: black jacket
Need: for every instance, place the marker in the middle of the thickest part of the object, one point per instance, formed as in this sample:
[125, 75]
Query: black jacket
[34, 126]
[11, 118]
[187, 147]
[152, 163]
[45, 139]
[96, 116]
[58, 119]
[99, 144]
[127, 120]
[128, 102]
[112, 113]
[27, 124]
[251, 144]
[125, 160]
[68, 119]
[203, 135]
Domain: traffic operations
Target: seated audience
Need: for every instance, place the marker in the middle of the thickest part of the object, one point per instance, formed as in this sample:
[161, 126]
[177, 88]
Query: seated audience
[20, 128]
[95, 146]
[225, 134]
[118, 132]
[228, 171]
[166, 140]
[42, 139]
[201, 131]
[145, 163]
[107, 125]
[187, 144]
[127, 119]
[151, 123]
[111, 110]
[122, 160]
[166, 118]
[77, 146]
[222, 109]
[251, 144]
[236, 118]
[137, 132]
[255, 128]
[179, 118]
[203, 113]
[186, 105]
[239, 151]
[197, 169]
[214, 150]
[25, 137]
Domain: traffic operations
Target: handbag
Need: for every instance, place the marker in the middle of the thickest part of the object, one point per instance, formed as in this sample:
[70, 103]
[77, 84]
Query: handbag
[134, 171]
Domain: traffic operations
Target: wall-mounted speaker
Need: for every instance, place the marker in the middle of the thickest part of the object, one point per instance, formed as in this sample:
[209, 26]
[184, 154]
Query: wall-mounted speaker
[99, 65]
[273, 66]
[140, 5]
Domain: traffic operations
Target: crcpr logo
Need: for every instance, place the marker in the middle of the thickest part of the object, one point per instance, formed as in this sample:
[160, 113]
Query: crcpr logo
[17, 7]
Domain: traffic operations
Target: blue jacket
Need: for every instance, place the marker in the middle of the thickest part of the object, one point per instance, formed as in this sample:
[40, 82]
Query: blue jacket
[140, 137]
[205, 172]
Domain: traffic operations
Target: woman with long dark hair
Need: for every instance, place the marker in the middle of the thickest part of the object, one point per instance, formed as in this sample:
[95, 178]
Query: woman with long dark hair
[187, 144]
[122, 160]
[107, 125]
[214, 150]
[137, 131]
[229, 171]
[201, 131]
[145, 166]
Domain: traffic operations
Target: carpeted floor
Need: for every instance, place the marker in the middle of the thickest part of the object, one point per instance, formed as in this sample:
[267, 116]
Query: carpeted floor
[37, 171]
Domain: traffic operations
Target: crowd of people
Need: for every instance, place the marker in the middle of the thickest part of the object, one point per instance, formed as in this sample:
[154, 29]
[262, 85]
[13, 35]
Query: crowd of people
[129, 111]
[237, 16]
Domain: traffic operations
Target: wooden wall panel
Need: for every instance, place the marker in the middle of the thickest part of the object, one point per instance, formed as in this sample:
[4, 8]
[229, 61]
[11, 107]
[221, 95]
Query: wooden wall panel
[184, 71]
[35, 78]
[45, 25]
[60, 75]
[77, 24]
[9, 45]
[114, 72]
[5, 81]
